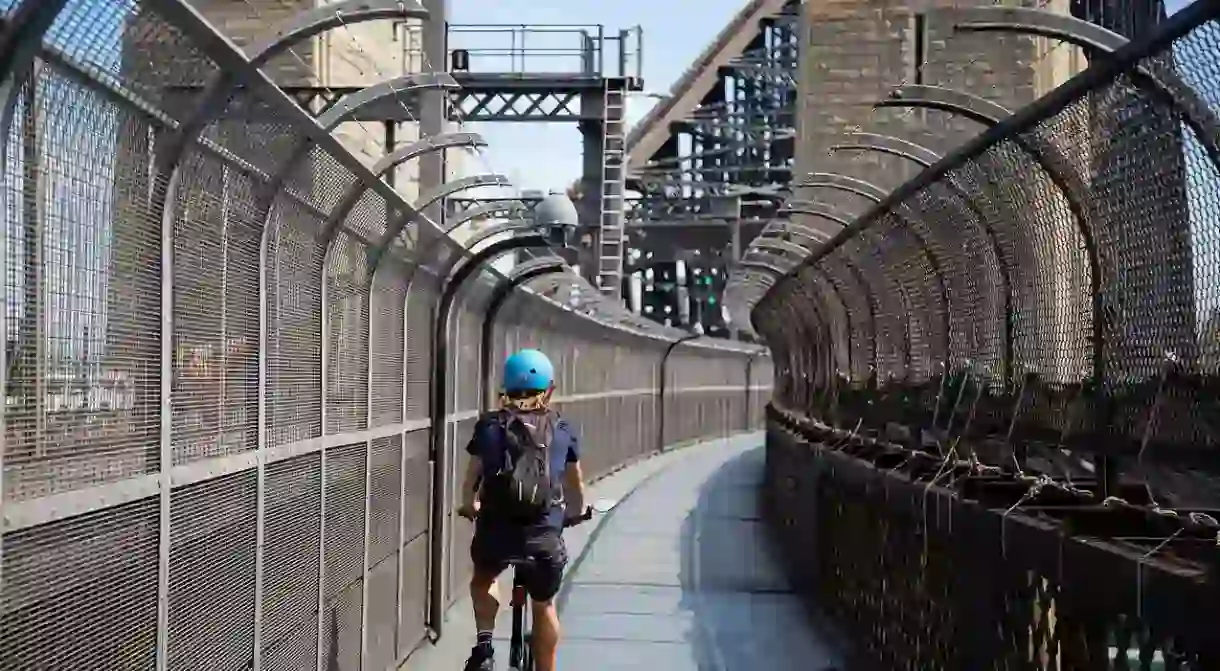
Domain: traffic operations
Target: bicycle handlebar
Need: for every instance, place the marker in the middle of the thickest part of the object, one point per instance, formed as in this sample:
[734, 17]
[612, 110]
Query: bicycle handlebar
[567, 522]
[583, 517]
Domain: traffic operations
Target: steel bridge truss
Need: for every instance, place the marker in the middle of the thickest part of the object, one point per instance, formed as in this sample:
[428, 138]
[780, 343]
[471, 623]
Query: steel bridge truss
[471, 103]
[742, 132]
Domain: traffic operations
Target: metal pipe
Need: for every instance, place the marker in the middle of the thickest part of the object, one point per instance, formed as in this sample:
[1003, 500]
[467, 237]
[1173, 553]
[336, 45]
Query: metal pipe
[749, 415]
[500, 295]
[437, 412]
[663, 386]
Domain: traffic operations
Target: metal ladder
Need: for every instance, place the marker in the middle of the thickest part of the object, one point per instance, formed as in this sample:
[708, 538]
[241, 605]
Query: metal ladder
[612, 231]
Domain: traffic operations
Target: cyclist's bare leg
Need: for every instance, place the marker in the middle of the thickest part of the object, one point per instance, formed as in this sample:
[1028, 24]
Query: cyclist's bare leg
[485, 598]
[545, 635]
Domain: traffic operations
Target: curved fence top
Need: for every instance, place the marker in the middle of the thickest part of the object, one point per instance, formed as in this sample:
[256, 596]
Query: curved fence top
[1063, 265]
[227, 436]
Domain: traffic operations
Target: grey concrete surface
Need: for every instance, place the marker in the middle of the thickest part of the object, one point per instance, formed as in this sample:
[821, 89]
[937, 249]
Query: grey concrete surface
[676, 577]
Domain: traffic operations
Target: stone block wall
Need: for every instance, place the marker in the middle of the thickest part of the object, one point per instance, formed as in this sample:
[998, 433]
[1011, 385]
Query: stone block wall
[855, 52]
[348, 56]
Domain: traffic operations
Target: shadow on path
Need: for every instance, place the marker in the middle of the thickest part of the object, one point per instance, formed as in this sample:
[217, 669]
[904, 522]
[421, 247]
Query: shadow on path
[681, 578]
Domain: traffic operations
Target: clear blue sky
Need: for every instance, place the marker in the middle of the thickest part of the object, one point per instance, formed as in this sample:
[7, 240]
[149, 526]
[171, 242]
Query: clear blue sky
[547, 155]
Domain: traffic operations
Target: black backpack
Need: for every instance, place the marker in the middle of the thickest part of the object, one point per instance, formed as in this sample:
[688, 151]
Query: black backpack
[522, 491]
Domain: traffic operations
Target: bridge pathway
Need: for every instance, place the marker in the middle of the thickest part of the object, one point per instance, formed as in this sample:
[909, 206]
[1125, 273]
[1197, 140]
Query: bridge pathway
[678, 576]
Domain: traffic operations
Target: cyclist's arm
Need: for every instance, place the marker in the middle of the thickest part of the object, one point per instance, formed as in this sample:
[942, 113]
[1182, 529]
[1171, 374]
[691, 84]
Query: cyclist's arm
[472, 480]
[574, 488]
[573, 478]
[470, 483]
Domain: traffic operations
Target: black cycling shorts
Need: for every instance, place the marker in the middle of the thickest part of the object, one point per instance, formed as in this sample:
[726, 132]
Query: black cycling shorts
[494, 545]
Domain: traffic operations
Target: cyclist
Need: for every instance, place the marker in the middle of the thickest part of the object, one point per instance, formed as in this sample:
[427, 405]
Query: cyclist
[519, 512]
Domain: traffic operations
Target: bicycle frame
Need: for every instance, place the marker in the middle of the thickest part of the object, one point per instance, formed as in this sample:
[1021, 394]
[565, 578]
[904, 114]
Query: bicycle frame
[520, 655]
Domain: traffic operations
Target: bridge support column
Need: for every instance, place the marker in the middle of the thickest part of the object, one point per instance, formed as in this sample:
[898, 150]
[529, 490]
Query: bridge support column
[434, 105]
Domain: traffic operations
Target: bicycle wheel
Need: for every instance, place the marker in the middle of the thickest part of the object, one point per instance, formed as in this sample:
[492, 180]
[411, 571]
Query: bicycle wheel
[527, 658]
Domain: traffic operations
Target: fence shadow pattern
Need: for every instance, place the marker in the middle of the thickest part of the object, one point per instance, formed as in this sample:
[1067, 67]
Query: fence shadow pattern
[216, 439]
[994, 443]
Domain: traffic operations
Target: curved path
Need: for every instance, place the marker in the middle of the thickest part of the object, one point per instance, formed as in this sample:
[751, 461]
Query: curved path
[677, 577]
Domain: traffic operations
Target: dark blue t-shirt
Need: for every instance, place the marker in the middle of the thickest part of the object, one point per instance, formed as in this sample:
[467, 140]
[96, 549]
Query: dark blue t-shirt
[489, 443]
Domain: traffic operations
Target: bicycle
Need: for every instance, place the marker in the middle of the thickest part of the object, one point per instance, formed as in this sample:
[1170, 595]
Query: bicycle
[520, 652]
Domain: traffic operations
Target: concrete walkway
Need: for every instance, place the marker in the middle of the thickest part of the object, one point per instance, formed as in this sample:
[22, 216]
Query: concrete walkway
[676, 578]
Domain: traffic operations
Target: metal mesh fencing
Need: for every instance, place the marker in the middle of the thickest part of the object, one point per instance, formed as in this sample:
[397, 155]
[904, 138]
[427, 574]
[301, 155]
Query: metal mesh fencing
[216, 438]
[993, 443]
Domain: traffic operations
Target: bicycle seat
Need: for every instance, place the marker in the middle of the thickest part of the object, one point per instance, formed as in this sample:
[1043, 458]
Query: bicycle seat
[526, 562]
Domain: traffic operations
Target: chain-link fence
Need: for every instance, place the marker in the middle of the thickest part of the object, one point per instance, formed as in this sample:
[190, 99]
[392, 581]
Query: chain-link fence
[993, 444]
[218, 364]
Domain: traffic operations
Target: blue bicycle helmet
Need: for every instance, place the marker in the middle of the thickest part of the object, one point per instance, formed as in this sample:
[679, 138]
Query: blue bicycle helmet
[528, 370]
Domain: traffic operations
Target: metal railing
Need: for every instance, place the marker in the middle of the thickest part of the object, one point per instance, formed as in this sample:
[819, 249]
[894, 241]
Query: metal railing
[539, 50]
[993, 443]
[217, 450]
